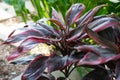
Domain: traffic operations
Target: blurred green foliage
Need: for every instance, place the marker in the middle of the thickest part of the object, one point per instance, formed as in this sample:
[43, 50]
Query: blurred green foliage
[43, 7]
[83, 71]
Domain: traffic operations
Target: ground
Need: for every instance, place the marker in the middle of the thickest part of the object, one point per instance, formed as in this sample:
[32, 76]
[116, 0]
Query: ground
[8, 71]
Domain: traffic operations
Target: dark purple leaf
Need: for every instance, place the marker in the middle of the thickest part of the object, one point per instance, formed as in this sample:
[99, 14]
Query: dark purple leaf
[101, 40]
[35, 68]
[46, 76]
[117, 35]
[24, 60]
[75, 57]
[98, 74]
[74, 13]
[108, 34]
[117, 70]
[26, 45]
[61, 78]
[92, 58]
[96, 55]
[102, 23]
[56, 62]
[89, 15]
[23, 35]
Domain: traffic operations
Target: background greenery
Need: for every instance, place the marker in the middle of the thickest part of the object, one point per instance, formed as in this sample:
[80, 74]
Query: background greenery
[43, 7]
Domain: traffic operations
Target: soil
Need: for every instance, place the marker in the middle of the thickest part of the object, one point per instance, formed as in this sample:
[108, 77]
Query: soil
[8, 71]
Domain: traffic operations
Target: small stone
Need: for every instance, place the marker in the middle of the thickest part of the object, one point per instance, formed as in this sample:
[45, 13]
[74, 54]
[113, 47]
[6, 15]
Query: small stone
[13, 73]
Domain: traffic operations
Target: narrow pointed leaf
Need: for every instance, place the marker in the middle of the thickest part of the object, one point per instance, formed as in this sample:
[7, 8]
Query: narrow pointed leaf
[103, 23]
[101, 40]
[96, 55]
[93, 59]
[56, 16]
[24, 60]
[89, 15]
[22, 36]
[60, 25]
[74, 13]
[35, 68]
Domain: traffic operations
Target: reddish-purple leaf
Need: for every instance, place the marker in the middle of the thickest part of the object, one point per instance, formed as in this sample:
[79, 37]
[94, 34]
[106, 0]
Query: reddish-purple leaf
[101, 40]
[35, 68]
[74, 13]
[22, 36]
[102, 23]
[25, 46]
[89, 48]
[89, 15]
[56, 62]
[96, 55]
[24, 60]
[93, 59]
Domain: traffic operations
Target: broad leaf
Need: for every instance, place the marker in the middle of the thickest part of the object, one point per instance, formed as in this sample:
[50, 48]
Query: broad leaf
[93, 59]
[109, 34]
[75, 56]
[97, 74]
[101, 40]
[35, 68]
[96, 55]
[25, 46]
[117, 70]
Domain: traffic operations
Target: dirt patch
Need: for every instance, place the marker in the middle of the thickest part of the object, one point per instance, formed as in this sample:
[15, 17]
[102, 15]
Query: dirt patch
[8, 71]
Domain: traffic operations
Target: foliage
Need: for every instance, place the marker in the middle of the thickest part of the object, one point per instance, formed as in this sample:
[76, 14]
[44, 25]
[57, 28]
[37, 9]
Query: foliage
[19, 6]
[70, 50]
[43, 7]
